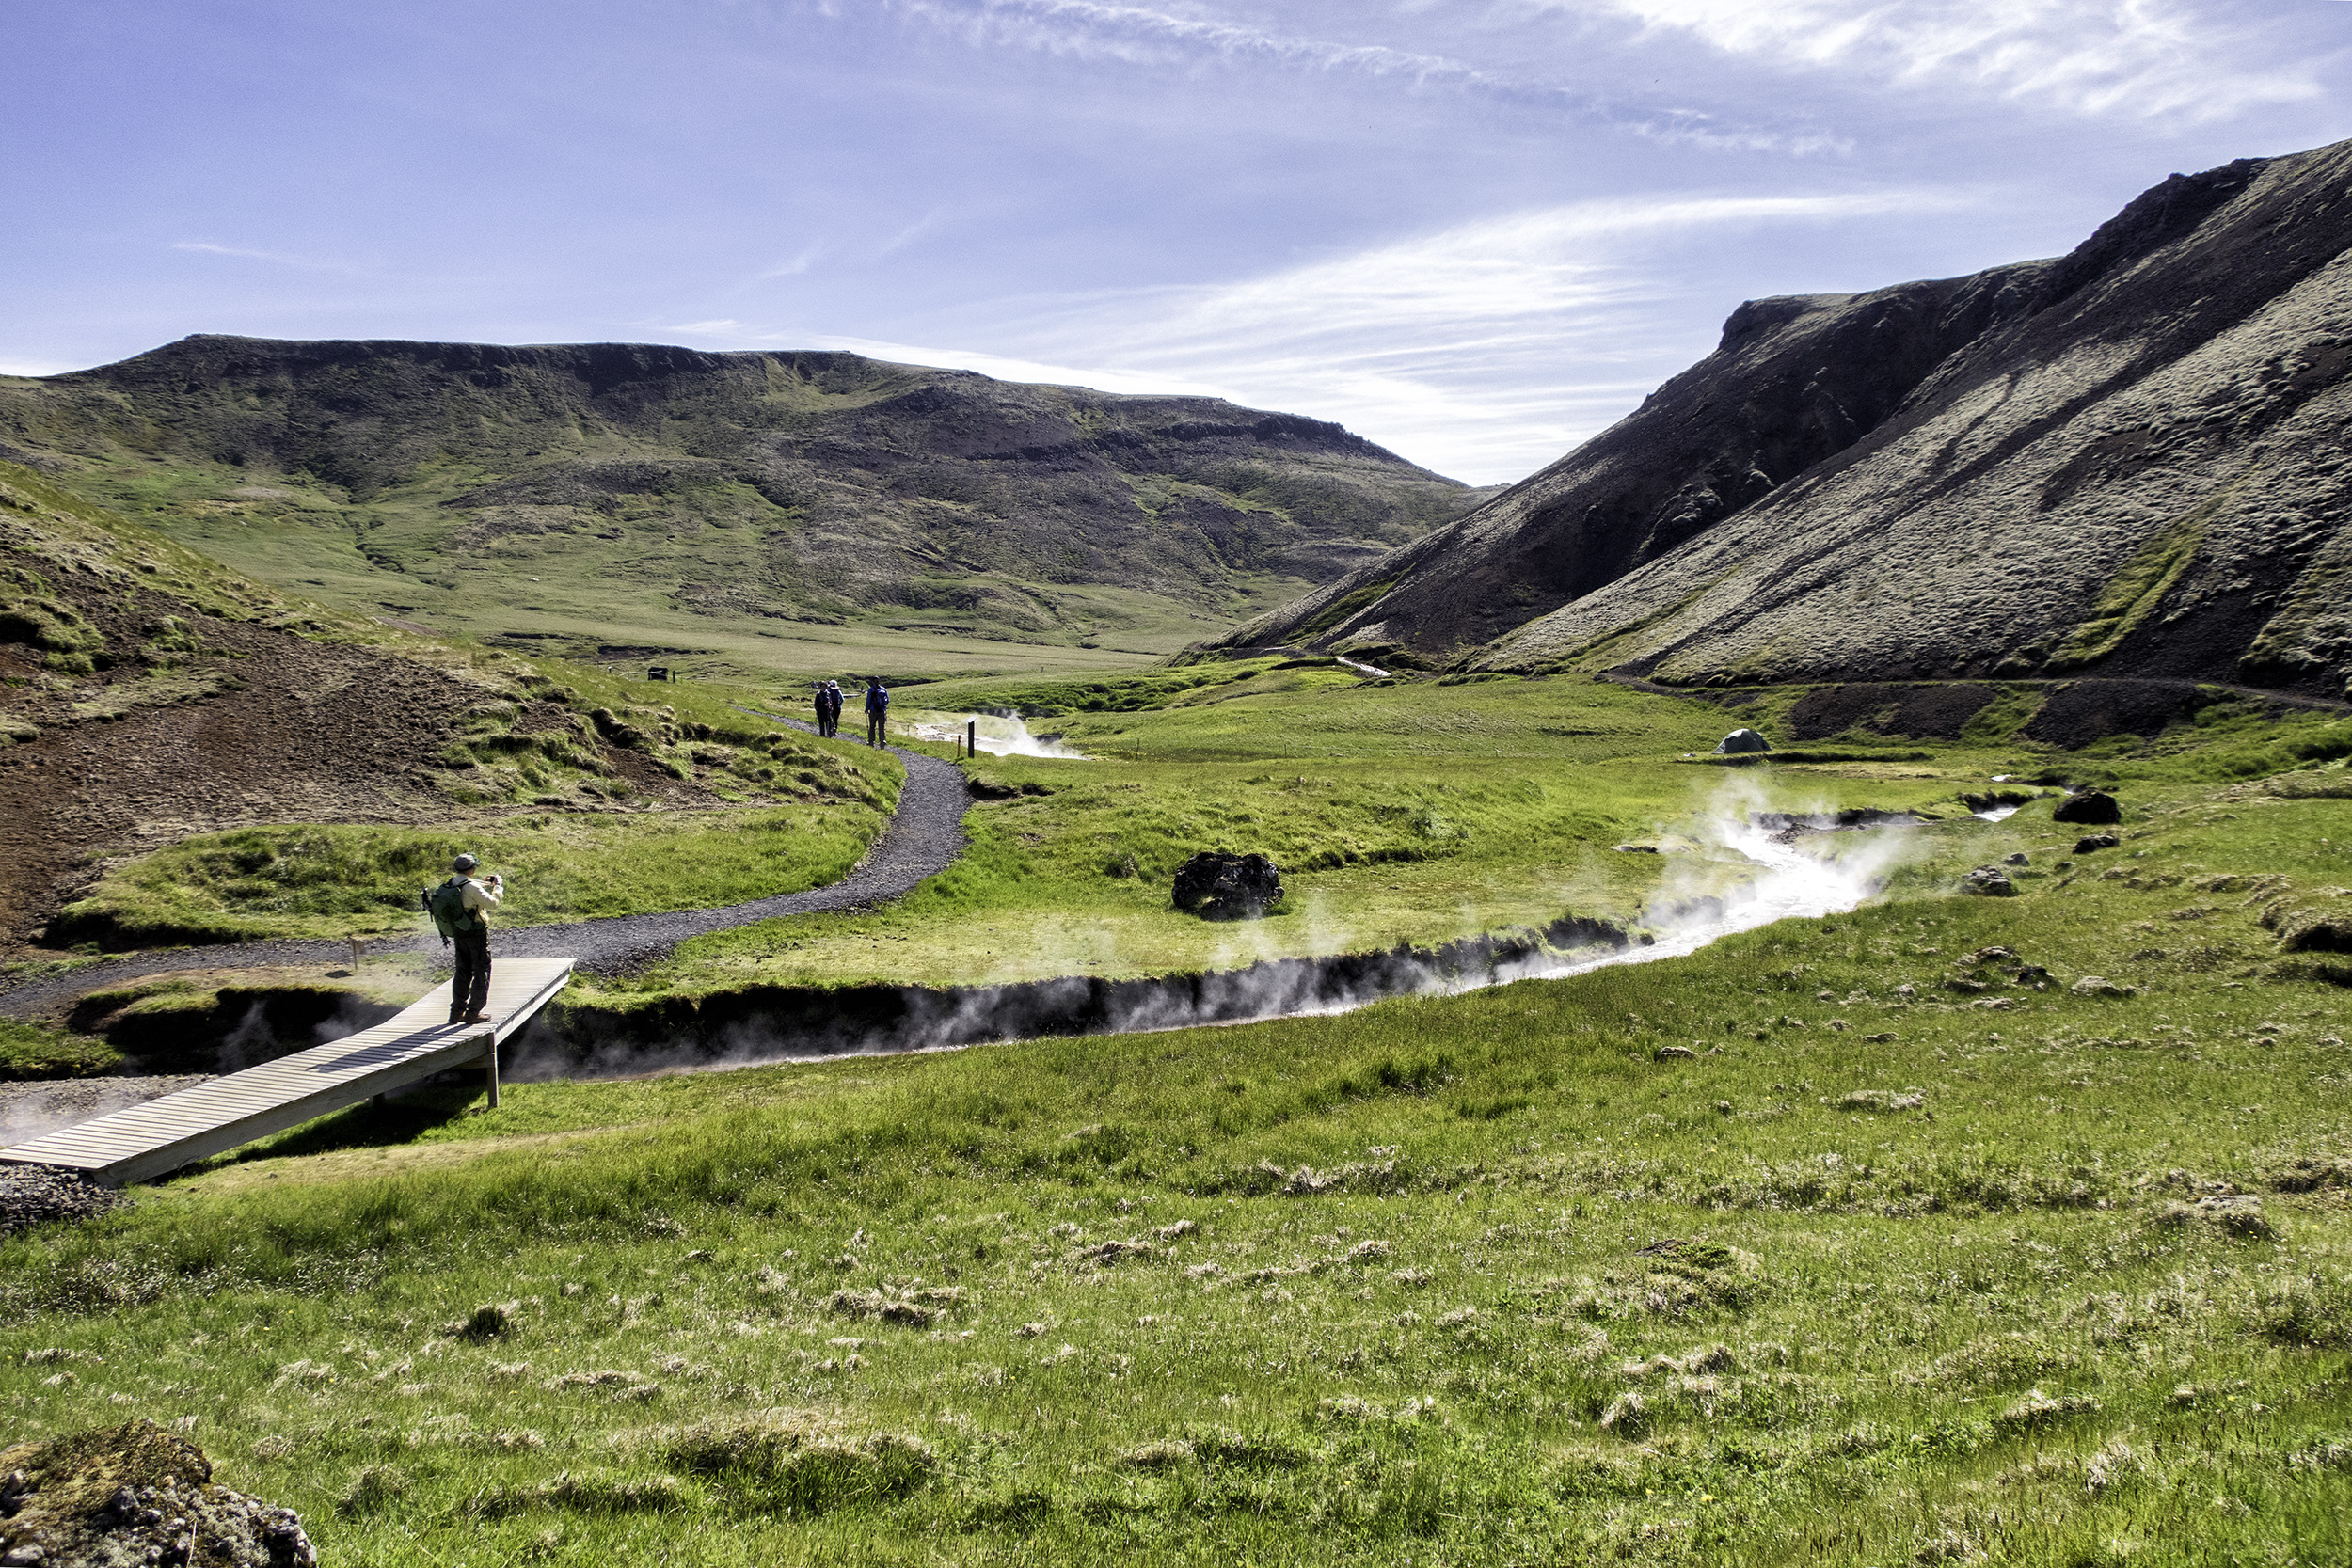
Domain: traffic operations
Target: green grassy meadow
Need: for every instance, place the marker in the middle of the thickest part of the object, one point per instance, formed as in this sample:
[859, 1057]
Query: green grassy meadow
[1420, 813]
[1959, 1229]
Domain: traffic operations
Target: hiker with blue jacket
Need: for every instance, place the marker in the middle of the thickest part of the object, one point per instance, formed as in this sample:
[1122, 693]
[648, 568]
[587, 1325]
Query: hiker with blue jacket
[877, 713]
[459, 908]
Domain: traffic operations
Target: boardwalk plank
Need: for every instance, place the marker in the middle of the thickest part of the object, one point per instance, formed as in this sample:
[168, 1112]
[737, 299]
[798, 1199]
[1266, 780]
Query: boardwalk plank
[149, 1140]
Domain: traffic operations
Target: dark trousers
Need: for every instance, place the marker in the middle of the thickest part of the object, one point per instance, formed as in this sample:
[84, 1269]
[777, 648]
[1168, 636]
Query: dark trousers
[470, 991]
[876, 729]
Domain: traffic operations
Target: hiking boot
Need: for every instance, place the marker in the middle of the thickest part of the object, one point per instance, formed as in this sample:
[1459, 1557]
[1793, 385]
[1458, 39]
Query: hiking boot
[475, 1017]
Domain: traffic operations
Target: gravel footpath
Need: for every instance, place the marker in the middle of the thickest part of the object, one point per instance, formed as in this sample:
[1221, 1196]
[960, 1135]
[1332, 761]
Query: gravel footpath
[925, 836]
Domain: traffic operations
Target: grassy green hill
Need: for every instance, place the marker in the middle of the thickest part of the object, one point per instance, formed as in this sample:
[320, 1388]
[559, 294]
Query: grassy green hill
[1957, 1228]
[742, 512]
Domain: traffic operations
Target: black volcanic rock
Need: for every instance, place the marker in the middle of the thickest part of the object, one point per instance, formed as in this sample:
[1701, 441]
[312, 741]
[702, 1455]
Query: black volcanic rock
[1218, 885]
[2092, 808]
[2129, 461]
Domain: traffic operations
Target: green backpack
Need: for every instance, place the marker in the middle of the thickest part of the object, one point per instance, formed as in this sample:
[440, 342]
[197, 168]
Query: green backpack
[446, 904]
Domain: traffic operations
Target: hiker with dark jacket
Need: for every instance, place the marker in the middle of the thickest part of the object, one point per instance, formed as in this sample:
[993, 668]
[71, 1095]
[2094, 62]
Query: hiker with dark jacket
[459, 908]
[833, 708]
[823, 703]
[877, 713]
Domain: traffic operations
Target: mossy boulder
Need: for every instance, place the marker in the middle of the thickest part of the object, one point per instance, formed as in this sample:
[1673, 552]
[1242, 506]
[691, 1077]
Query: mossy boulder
[135, 1493]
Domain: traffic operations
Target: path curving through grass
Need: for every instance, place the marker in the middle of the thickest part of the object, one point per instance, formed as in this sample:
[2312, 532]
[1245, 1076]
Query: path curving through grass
[925, 836]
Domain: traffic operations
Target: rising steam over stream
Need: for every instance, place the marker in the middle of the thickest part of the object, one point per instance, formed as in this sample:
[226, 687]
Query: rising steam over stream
[1743, 869]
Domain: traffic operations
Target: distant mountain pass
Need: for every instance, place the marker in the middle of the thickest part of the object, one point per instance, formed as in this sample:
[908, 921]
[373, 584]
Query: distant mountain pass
[2129, 460]
[811, 487]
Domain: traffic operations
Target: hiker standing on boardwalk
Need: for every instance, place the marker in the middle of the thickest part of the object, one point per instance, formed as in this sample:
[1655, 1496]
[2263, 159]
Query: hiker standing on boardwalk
[459, 906]
[877, 713]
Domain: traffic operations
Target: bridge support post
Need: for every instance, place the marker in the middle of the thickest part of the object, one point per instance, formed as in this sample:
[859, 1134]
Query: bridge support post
[491, 1071]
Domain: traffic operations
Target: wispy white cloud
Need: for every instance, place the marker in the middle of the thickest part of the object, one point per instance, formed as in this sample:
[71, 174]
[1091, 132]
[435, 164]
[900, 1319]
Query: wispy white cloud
[245, 253]
[1090, 30]
[1482, 351]
[793, 267]
[2145, 58]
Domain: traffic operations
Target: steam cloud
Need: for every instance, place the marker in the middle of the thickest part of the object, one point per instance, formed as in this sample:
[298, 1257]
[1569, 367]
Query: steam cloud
[1746, 869]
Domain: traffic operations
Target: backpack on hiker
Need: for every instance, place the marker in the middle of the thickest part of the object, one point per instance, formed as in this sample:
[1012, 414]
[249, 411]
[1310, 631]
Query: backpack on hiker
[446, 904]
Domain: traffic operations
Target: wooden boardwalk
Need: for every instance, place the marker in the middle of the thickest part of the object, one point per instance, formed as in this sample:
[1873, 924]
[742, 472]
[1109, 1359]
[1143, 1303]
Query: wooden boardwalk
[162, 1135]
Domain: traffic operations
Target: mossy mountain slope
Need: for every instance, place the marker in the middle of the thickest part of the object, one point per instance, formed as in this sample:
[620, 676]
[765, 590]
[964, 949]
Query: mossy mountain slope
[2124, 461]
[786, 487]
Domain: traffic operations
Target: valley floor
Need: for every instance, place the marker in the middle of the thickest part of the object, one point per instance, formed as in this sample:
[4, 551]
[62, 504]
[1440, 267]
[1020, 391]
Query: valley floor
[1955, 1228]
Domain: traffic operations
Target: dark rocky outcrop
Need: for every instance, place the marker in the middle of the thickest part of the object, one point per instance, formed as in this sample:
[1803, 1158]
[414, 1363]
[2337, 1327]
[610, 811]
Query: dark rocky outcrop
[2127, 461]
[1218, 885]
[2092, 808]
[135, 1493]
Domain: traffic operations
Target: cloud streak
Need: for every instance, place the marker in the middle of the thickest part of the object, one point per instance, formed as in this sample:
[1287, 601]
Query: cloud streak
[1139, 35]
[1482, 351]
[2154, 58]
[244, 253]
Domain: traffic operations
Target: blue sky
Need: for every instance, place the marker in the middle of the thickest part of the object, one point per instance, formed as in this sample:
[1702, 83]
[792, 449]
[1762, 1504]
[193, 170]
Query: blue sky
[1474, 232]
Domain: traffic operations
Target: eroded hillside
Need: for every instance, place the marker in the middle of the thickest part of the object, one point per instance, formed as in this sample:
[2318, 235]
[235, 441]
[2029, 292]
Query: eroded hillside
[148, 695]
[2125, 462]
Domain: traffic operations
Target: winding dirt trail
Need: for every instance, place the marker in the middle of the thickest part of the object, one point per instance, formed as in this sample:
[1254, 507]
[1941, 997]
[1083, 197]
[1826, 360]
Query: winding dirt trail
[924, 837]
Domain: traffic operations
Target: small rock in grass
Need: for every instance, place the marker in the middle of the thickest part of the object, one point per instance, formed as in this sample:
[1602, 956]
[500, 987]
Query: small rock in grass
[2092, 842]
[2093, 806]
[1883, 1099]
[2017, 859]
[1990, 881]
[1677, 1054]
[2099, 985]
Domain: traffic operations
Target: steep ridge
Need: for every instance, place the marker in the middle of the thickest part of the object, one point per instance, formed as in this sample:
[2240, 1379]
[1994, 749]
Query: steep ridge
[1794, 381]
[812, 487]
[2125, 462]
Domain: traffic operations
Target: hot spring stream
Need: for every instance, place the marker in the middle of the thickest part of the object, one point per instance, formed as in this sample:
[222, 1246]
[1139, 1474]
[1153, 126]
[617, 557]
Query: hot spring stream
[1790, 874]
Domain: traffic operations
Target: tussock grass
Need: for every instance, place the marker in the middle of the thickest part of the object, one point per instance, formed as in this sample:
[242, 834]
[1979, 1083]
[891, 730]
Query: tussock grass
[321, 880]
[1465, 1280]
